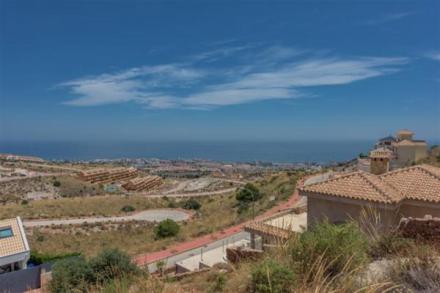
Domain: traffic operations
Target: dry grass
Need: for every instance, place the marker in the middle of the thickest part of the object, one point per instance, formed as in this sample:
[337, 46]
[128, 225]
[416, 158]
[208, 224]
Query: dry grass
[215, 214]
[78, 207]
[421, 273]
[72, 187]
[15, 190]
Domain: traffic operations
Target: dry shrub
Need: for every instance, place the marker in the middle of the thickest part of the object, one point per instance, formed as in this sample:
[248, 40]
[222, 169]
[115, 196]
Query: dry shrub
[419, 273]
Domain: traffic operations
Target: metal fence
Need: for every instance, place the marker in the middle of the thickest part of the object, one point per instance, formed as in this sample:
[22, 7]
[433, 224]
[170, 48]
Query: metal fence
[22, 280]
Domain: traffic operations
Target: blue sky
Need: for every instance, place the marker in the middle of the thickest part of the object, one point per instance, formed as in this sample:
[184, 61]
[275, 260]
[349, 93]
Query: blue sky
[211, 70]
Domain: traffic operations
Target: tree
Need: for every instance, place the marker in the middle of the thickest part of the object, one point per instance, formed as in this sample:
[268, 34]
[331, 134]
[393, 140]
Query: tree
[166, 228]
[248, 193]
[192, 204]
[57, 183]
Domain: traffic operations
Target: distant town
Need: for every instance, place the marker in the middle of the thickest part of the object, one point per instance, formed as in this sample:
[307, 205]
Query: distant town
[182, 218]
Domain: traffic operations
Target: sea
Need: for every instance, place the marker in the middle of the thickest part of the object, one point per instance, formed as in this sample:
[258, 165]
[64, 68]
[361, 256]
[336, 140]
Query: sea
[227, 151]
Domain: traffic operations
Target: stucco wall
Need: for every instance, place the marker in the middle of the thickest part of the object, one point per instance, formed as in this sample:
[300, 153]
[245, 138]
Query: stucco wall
[340, 210]
[408, 154]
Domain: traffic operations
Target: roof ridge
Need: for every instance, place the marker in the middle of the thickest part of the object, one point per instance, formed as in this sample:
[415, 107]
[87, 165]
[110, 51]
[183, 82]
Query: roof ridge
[375, 186]
[427, 169]
[422, 166]
[400, 170]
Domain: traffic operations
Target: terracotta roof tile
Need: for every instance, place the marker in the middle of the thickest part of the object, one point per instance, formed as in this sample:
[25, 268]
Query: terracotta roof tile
[356, 185]
[15, 243]
[418, 182]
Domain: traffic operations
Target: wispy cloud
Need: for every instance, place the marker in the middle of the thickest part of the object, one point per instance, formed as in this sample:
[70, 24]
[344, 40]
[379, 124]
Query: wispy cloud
[387, 18]
[433, 55]
[272, 73]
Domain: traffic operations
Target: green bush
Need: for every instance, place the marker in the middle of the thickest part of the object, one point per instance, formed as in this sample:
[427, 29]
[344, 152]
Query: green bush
[271, 277]
[57, 183]
[248, 193]
[127, 209]
[335, 246]
[75, 274]
[192, 204]
[111, 264]
[71, 275]
[166, 228]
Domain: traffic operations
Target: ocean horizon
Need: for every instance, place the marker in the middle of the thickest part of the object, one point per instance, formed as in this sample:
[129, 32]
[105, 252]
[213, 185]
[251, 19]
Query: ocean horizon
[228, 151]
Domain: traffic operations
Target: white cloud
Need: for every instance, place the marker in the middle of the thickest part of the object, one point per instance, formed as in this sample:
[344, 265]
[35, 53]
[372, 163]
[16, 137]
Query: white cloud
[388, 18]
[274, 73]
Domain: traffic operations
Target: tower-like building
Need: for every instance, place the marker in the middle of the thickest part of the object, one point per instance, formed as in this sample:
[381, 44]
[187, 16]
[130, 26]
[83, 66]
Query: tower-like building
[380, 160]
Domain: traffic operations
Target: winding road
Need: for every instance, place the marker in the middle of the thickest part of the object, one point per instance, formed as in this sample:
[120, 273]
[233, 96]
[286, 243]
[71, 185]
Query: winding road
[155, 215]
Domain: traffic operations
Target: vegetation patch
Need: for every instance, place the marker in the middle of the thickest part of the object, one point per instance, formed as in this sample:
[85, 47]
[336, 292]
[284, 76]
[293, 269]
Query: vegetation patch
[270, 276]
[76, 274]
[128, 209]
[166, 228]
[337, 246]
[192, 204]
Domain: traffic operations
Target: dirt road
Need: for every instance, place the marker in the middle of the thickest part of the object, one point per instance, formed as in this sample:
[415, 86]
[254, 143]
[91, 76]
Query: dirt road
[148, 215]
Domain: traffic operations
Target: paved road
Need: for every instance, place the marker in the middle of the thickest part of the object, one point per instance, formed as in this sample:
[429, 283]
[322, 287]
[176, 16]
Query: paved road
[148, 215]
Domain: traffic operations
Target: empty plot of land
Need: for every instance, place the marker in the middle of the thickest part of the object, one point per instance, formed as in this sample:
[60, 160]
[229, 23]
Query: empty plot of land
[148, 216]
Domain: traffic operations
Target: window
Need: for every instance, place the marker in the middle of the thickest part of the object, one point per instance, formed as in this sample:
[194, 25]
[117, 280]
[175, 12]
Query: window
[6, 232]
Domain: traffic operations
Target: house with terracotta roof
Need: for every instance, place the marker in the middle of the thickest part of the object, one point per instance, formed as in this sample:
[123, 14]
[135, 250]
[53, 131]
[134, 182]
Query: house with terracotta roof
[407, 192]
[14, 248]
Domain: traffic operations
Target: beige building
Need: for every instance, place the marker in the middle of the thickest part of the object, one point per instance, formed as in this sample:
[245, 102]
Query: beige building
[14, 248]
[410, 151]
[405, 151]
[408, 192]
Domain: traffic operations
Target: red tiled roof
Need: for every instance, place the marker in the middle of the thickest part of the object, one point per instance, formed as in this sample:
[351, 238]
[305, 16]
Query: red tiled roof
[420, 182]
